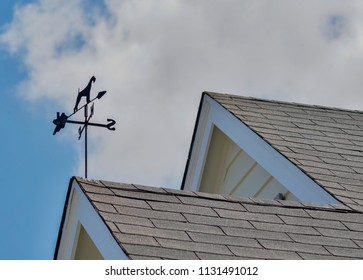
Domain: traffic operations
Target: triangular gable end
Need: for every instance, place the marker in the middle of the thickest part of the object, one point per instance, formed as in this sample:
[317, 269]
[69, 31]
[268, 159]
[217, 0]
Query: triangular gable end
[83, 233]
[227, 157]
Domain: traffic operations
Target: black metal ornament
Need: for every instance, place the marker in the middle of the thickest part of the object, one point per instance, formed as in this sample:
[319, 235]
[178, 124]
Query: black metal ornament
[62, 119]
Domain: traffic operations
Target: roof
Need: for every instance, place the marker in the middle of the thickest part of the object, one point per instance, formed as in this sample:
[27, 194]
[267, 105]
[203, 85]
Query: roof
[160, 223]
[325, 143]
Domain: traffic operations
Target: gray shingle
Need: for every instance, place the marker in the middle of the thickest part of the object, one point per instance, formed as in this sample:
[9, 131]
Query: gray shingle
[341, 233]
[96, 189]
[339, 160]
[211, 203]
[112, 226]
[345, 252]
[163, 215]
[213, 196]
[307, 256]
[138, 257]
[309, 222]
[359, 243]
[260, 202]
[117, 200]
[255, 233]
[263, 254]
[341, 123]
[181, 208]
[358, 208]
[333, 140]
[207, 220]
[356, 157]
[177, 192]
[105, 207]
[349, 194]
[330, 167]
[154, 232]
[276, 210]
[151, 251]
[126, 219]
[337, 216]
[285, 228]
[136, 239]
[248, 216]
[184, 226]
[151, 196]
[354, 226]
[311, 205]
[150, 189]
[213, 256]
[293, 246]
[308, 141]
[194, 246]
[226, 240]
[116, 185]
[322, 240]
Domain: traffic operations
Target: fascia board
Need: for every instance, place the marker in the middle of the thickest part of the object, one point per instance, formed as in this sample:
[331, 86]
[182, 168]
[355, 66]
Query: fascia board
[288, 174]
[81, 211]
[199, 148]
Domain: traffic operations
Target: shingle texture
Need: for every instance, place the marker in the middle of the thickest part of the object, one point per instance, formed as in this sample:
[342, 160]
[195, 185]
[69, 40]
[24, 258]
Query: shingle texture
[325, 143]
[158, 223]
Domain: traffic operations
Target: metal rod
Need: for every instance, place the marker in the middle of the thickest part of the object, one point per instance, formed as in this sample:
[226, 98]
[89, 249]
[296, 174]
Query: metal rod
[85, 151]
[85, 139]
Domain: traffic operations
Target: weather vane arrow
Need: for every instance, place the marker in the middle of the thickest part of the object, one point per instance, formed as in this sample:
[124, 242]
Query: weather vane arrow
[62, 119]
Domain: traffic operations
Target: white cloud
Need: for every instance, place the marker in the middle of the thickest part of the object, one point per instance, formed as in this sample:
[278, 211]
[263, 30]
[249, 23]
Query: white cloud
[156, 57]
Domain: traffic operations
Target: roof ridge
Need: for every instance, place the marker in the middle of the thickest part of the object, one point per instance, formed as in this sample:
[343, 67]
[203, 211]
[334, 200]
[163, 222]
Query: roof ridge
[233, 199]
[260, 99]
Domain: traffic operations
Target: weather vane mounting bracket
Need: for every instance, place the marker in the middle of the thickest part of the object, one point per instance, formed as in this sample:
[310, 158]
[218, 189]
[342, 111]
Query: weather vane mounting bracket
[62, 119]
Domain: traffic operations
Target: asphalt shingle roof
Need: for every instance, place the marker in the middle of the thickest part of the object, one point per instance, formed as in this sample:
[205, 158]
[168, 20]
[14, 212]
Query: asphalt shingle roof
[160, 223]
[325, 143]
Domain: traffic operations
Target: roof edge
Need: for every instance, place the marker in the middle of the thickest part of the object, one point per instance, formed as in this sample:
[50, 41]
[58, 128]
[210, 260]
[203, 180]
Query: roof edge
[193, 139]
[60, 231]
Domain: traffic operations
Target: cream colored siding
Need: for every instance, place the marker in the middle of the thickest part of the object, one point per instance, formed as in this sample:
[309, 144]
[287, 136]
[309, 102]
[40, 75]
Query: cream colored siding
[231, 171]
[86, 249]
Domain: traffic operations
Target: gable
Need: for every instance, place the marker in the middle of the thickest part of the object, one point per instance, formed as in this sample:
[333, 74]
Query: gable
[284, 175]
[325, 143]
[83, 234]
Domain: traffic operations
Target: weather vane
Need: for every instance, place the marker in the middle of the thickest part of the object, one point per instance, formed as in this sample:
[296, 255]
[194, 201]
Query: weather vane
[62, 119]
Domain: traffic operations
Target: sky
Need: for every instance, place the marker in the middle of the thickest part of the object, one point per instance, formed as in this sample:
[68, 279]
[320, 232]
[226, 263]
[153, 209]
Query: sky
[154, 58]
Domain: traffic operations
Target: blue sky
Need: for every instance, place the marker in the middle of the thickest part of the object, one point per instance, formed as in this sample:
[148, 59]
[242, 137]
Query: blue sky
[154, 65]
[35, 168]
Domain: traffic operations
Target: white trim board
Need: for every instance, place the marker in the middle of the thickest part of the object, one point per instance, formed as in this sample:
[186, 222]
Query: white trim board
[290, 176]
[81, 211]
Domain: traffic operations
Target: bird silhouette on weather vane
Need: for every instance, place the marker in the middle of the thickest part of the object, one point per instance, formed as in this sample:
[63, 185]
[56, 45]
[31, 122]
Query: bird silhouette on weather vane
[63, 119]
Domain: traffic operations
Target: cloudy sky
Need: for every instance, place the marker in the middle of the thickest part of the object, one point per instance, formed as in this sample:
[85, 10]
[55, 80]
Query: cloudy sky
[154, 58]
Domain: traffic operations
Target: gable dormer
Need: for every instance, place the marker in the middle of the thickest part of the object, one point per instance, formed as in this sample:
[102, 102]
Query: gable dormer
[228, 156]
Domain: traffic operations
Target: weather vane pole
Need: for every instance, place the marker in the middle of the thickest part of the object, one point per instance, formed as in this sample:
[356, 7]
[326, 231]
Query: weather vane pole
[62, 119]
